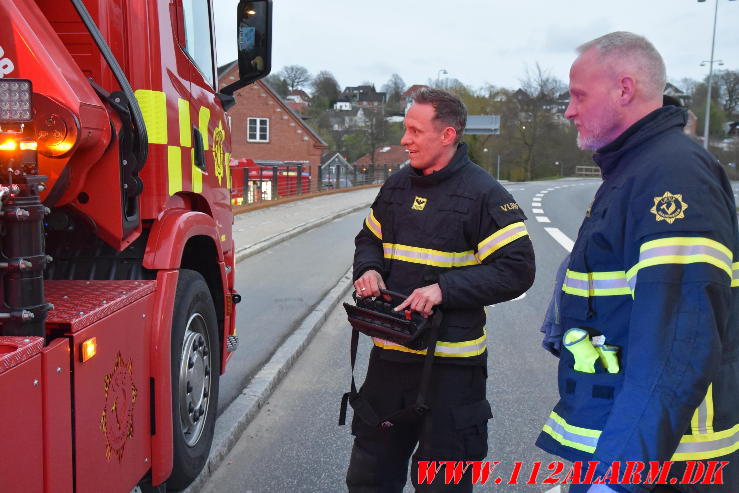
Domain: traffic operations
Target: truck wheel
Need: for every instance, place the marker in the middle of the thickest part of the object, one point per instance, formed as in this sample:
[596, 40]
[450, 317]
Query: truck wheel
[196, 366]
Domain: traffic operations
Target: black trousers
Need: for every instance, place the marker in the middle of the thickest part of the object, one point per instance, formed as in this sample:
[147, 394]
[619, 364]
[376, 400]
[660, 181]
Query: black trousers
[455, 429]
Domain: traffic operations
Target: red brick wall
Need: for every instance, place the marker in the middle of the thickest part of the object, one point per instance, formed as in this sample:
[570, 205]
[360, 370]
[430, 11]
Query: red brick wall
[288, 139]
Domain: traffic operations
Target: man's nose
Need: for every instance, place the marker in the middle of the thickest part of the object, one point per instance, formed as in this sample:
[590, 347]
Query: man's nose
[405, 140]
[570, 111]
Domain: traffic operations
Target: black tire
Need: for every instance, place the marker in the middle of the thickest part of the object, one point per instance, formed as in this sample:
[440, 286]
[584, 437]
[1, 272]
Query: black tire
[196, 364]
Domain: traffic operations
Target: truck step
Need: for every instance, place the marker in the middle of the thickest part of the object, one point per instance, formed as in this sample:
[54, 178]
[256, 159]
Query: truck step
[232, 344]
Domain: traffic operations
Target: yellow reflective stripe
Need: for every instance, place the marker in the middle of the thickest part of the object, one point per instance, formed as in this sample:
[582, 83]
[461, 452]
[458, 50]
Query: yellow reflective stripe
[669, 251]
[692, 447]
[153, 106]
[500, 238]
[204, 121]
[708, 446]
[374, 225]
[702, 421]
[463, 349]
[735, 281]
[197, 174]
[427, 256]
[586, 284]
[183, 108]
[575, 437]
[174, 169]
[228, 170]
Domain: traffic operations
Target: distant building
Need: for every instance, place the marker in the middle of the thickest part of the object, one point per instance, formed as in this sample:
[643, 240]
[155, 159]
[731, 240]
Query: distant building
[265, 128]
[364, 96]
[336, 171]
[483, 125]
[392, 157]
[298, 100]
[343, 105]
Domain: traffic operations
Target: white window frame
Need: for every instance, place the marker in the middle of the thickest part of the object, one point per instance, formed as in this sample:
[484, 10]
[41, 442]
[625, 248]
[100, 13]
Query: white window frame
[261, 123]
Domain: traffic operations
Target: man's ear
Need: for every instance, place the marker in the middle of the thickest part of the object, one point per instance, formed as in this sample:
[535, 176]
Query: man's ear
[628, 90]
[448, 136]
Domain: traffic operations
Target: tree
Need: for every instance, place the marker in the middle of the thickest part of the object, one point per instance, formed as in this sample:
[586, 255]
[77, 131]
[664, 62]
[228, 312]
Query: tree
[295, 76]
[277, 84]
[326, 90]
[394, 87]
[728, 82]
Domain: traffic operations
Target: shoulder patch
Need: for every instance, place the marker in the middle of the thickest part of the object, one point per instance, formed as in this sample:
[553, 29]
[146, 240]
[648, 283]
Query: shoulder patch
[511, 206]
[669, 207]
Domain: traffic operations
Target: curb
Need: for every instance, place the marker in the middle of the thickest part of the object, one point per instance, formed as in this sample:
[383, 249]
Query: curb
[273, 240]
[237, 416]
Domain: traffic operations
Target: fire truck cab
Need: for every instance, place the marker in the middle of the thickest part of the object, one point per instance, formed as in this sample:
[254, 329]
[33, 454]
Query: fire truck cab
[116, 257]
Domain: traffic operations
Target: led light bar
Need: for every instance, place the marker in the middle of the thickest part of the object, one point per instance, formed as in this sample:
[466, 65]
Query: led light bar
[15, 100]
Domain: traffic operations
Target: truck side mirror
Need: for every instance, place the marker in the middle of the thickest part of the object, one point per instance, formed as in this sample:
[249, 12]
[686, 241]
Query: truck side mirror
[254, 38]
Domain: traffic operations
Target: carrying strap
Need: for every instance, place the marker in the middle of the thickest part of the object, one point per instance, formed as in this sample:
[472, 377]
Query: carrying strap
[409, 414]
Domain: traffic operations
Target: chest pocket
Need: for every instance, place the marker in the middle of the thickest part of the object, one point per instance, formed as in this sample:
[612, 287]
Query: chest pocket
[451, 222]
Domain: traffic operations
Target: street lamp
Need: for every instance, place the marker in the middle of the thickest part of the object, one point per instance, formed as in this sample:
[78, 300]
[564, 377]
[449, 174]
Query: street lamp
[439, 74]
[710, 77]
[556, 163]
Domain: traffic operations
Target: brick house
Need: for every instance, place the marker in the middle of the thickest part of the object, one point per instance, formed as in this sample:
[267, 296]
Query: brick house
[265, 128]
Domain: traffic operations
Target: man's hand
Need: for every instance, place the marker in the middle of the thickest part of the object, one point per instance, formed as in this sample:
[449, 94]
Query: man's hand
[423, 300]
[369, 284]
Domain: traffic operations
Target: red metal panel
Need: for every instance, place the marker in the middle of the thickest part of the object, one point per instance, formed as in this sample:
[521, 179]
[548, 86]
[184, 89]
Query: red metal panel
[21, 454]
[161, 331]
[170, 233]
[112, 427]
[57, 426]
[79, 304]
[16, 350]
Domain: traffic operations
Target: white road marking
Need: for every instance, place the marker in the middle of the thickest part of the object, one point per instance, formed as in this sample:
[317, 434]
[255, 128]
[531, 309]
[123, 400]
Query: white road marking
[537, 211]
[561, 238]
[543, 219]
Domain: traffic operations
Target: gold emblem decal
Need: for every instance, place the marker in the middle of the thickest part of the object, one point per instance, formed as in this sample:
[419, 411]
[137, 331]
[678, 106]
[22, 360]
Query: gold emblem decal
[419, 203]
[509, 207]
[669, 207]
[219, 157]
[116, 420]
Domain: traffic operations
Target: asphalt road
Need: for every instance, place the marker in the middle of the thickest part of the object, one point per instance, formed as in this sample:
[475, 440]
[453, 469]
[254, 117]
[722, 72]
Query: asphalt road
[294, 444]
[279, 286]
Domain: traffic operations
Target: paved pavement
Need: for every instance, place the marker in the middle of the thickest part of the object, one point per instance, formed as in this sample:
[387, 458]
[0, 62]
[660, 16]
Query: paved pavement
[258, 230]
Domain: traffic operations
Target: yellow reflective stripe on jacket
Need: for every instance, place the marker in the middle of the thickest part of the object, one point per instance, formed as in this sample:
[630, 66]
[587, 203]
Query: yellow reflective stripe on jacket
[702, 421]
[587, 284]
[692, 447]
[708, 445]
[427, 256]
[578, 438]
[682, 250]
[463, 349]
[735, 278]
[500, 238]
[373, 225]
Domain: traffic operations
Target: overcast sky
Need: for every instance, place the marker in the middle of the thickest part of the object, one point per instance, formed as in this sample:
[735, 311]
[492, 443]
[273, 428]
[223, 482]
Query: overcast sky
[480, 42]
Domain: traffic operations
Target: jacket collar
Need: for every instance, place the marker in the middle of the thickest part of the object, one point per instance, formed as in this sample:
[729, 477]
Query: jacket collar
[459, 160]
[656, 122]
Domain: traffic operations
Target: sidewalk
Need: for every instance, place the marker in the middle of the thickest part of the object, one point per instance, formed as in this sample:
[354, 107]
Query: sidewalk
[260, 229]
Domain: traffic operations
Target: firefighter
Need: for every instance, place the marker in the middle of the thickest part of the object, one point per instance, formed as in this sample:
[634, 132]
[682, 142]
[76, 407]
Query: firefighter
[446, 233]
[649, 366]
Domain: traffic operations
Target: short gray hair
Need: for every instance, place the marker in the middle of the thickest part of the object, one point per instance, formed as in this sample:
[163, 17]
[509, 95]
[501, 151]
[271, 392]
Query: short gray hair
[450, 110]
[637, 51]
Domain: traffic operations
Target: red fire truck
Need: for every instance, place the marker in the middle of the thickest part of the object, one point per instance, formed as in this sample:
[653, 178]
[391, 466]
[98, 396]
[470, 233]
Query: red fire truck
[116, 257]
[257, 181]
